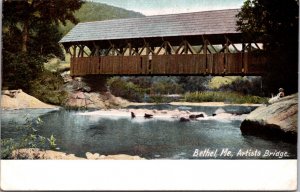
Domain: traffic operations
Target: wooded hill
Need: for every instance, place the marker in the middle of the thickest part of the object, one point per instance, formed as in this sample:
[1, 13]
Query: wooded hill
[91, 11]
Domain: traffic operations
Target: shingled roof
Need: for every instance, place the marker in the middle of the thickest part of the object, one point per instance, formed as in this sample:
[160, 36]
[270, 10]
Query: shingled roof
[185, 24]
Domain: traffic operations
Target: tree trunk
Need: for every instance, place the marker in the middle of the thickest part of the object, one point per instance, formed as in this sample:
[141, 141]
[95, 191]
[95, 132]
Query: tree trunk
[25, 36]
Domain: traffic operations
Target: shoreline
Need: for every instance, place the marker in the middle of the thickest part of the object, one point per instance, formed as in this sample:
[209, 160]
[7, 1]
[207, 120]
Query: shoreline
[204, 104]
[42, 154]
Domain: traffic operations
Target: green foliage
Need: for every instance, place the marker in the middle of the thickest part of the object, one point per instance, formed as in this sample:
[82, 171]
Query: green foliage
[91, 11]
[160, 99]
[128, 90]
[274, 23]
[246, 86]
[30, 38]
[228, 97]
[52, 142]
[47, 87]
[53, 65]
[217, 82]
[135, 89]
[156, 89]
[25, 71]
[19, 69]
[7, 146]
[193, 83]
[27, 15]
[29, 139]
[45, 40]
[166, 87]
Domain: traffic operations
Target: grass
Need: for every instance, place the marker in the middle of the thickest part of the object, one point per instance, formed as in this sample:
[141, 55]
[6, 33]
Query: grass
[227, 97]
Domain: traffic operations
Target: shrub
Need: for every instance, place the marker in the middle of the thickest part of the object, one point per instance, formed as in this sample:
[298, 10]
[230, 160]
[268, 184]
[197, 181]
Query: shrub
[128, 90]
[245, 86]
[48, 88]
[21, 68]
[165, 87]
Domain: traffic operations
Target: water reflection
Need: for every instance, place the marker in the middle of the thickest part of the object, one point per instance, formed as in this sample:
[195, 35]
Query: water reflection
[154, 138]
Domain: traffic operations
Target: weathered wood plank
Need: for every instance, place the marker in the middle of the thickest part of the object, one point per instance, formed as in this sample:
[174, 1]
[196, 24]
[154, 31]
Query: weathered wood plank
[201, 64]
[100, 68]
[79, 66]
[130, 65]
[104, 65]
[173, 65]
[246, 62]
[218, 63]
[111, 64]
[125, 65]
[156, 63]
[186, 64]
[210, 63]
[144, 64]
[234, 63]
[193, 64]
[134, 65]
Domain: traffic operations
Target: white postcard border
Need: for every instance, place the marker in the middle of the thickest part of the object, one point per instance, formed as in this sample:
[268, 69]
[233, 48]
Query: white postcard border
[149, 175]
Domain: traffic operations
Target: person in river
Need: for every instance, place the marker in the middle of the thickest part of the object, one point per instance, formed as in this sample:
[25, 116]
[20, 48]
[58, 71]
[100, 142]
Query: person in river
[132, 115]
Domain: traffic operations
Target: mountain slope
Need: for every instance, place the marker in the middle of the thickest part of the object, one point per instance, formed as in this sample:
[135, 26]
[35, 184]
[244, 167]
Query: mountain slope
[91, 11]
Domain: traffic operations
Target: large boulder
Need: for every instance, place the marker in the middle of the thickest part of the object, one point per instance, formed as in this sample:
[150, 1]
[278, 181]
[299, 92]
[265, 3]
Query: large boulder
[277, 120]
[17, 99]
[95, 100]
[90, 92]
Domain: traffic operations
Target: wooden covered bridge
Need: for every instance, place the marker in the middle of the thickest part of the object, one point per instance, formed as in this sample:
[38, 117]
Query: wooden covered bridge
[199, 43]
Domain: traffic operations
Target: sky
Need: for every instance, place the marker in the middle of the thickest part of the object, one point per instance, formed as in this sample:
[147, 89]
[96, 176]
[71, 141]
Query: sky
[159, 7]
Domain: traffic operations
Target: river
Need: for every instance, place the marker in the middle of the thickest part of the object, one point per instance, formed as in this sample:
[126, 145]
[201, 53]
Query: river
[149, 138]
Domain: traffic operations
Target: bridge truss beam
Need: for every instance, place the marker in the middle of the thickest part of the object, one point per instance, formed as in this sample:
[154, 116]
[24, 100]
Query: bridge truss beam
[197, 55]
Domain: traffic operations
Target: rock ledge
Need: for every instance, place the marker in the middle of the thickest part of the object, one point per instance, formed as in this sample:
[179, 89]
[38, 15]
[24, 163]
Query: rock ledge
[278, 120]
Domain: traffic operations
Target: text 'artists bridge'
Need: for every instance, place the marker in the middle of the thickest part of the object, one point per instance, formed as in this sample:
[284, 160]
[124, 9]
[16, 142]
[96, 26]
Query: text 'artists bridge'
[200, 43]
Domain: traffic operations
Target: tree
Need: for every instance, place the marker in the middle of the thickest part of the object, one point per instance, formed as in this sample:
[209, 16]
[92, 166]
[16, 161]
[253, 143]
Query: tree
[45, 40]
[274, 23]
[26, 13]
[30, 36]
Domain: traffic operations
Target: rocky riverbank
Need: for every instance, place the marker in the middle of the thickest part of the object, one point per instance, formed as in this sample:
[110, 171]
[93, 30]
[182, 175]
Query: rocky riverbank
[87, 93]
[35, 153]
[277, 120]
[17, 99]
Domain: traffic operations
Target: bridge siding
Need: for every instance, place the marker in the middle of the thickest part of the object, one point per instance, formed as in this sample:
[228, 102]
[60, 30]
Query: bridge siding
[197, 64]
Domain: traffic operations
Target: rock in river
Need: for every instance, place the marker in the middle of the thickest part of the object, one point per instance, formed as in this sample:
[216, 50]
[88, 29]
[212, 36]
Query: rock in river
[278, 120]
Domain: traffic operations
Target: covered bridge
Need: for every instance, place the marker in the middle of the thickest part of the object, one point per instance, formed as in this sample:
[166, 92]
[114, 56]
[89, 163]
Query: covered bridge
[199, 43]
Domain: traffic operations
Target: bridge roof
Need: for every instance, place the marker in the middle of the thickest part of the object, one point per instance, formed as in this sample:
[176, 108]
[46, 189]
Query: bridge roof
[184, 24]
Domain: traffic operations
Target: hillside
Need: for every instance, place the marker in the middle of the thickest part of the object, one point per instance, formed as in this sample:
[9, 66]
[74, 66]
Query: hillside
[91, 11]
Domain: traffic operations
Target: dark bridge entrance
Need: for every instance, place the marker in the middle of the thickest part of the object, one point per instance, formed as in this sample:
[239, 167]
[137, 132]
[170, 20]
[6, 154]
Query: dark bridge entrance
[203, 43]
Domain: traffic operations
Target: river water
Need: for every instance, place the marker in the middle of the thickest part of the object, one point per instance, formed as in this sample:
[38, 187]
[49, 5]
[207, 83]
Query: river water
[148, 138]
